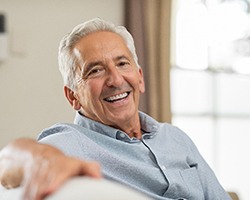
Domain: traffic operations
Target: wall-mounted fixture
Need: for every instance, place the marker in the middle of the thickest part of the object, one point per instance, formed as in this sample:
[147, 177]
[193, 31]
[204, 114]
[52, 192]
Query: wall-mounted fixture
[3, 39]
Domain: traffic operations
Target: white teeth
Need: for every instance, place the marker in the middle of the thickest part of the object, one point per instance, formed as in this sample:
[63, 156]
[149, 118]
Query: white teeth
[117, 97]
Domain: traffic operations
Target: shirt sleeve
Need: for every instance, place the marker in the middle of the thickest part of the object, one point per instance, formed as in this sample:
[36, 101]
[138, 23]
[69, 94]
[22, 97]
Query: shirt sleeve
[64, 137]
[211, 187]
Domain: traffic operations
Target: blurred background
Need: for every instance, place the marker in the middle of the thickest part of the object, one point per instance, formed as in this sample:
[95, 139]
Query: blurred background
[30, 83]
[205, 70]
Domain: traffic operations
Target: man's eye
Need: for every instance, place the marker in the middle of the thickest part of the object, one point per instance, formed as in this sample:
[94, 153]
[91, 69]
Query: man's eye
[123, 63]
[94, 72]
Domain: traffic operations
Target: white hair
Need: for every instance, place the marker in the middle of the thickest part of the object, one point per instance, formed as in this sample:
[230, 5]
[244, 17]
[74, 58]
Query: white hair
[68, 60]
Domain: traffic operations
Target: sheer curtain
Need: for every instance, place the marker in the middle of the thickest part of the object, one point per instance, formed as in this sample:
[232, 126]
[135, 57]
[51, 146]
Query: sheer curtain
[149, 23]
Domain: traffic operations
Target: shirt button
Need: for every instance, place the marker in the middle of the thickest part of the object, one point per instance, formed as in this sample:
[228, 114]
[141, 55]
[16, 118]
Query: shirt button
[163, 167]
[122, 135]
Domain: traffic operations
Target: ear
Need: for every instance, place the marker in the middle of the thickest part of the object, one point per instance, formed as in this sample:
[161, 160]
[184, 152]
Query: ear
[72, 98]
[141, 81]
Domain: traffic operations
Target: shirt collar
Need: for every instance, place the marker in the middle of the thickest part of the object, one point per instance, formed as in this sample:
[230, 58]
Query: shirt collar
[148, 124]
[149, 127]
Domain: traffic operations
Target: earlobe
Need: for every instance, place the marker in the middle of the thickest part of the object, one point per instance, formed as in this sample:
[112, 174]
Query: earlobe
[72, 98]
[141, 81]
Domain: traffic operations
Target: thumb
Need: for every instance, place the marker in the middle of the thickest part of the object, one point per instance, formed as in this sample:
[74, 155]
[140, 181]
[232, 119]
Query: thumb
[91, 169]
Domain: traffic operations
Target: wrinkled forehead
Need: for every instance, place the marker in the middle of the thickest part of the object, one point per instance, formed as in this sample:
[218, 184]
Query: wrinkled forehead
[100, 45]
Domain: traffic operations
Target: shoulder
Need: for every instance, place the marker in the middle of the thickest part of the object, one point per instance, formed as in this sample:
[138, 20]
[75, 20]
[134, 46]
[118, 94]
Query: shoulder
[174, 135]
[171, 130]
[69, 138]
[60, 128]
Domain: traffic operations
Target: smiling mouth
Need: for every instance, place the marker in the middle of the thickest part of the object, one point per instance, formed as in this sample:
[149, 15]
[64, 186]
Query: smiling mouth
[117, 97]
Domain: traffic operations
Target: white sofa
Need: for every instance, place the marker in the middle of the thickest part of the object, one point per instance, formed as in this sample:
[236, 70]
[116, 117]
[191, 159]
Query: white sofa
[82, 188]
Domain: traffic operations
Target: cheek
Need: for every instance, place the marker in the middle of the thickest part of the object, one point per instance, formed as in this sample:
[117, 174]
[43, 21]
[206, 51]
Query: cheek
[93, 90]
[137, 82]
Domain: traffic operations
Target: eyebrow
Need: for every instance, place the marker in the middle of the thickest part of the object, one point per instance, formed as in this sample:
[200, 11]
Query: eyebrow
[122, 57]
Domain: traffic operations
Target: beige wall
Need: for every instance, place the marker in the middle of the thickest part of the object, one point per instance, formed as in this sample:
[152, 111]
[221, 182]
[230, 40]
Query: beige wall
[30, 84]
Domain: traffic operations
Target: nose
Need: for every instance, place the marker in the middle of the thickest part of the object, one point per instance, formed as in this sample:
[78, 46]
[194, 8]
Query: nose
[114, 77]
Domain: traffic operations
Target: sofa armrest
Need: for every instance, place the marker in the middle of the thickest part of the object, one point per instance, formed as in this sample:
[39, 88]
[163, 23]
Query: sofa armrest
[78, 187]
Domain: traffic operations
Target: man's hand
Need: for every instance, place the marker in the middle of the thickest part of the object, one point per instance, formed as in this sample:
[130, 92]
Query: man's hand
[41, 169]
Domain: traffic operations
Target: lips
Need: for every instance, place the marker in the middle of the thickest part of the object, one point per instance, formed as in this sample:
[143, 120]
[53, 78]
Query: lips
[117, 97]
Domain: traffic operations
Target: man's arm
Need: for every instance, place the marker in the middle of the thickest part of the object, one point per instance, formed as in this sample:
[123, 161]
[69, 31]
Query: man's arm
[40, 168]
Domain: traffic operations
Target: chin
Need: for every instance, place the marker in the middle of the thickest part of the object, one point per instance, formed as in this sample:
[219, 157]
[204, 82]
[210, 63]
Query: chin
[124, 116]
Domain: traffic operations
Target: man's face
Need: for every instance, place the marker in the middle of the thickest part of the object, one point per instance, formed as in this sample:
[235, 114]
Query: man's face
[110, 83]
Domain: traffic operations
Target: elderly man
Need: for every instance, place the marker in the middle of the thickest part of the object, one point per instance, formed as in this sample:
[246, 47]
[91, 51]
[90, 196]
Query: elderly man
[103, 82]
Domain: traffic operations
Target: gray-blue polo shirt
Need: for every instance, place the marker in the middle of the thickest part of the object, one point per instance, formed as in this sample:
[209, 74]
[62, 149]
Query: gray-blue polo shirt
[165, 164]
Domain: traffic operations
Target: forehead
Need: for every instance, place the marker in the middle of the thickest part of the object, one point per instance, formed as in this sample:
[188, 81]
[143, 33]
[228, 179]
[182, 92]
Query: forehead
[101, 43]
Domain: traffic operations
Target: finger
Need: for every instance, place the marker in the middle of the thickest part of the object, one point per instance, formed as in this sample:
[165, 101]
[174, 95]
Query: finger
[12, 177]
[74, 167]
[92, 169]
[47, 175]
[36, 180]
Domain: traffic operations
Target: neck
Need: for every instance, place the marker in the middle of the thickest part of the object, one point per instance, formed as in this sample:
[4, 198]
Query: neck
[137, 135]
[133, 128]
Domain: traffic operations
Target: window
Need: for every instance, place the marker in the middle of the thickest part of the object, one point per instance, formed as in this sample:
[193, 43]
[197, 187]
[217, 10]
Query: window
[210, 84]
